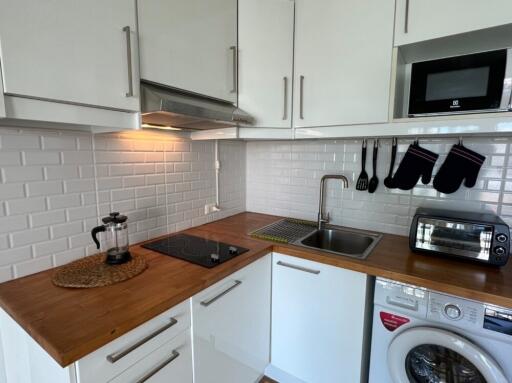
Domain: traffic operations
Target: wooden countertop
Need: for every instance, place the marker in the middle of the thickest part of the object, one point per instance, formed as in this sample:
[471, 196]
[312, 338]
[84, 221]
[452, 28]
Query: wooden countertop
[71, 323]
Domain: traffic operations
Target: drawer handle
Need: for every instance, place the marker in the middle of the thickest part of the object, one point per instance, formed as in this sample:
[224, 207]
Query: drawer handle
[210, 301]
[174, 355]
[305, 269]
[114, 357]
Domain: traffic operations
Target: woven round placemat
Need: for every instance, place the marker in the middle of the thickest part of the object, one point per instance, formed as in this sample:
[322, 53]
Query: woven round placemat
[92, 271]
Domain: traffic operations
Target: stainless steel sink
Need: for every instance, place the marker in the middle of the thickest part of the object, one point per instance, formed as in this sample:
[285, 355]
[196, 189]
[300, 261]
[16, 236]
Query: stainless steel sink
[341, 241]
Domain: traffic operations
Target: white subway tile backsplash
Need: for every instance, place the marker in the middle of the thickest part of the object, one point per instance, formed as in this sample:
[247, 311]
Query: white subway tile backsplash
[41, 158]
[25, 205]
[56, 185]
[283, 178]
[14, 141]
[26, 237]
[22, 174]
[10, 158]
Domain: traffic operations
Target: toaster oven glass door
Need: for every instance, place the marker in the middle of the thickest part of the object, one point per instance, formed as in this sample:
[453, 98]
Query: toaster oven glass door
[458, 238]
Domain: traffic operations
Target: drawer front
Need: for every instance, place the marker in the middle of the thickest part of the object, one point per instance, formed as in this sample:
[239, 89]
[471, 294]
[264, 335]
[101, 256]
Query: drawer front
[109, 361]
[172, 362]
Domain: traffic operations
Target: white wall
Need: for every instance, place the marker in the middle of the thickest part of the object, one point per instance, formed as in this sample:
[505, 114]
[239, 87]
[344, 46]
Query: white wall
[283, 179]
[56, 185]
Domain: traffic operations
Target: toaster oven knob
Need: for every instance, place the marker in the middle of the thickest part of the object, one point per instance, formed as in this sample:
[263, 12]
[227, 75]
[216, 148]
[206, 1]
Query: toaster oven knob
[452, 311]
[500, 250]
[502, 238]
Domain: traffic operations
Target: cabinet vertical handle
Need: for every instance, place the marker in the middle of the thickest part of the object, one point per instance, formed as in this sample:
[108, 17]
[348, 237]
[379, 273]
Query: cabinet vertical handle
[146, 377]
[301, 99]
[406, 22]
[235, 81]
[114, 357]
[211, 300]
[127, 32]
[300, 268]
[285, 104]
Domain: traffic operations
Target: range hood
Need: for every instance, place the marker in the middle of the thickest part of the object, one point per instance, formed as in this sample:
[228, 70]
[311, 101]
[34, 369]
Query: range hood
[167, 107]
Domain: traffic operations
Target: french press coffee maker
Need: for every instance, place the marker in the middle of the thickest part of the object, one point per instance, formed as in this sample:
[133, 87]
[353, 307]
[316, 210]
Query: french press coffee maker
[117, 238]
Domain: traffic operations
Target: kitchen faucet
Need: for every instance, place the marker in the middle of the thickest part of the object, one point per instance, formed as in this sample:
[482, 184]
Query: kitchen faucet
[321, 216]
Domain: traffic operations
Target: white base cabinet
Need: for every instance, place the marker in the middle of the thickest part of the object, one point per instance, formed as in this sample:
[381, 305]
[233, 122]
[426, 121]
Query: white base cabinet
[231, 322]
[319, 320]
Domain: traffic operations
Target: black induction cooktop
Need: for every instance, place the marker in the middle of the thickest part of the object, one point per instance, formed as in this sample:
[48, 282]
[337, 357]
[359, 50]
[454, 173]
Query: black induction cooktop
[195, 249]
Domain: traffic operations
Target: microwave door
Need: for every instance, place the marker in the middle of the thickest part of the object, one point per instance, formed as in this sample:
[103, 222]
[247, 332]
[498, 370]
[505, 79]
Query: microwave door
[471, 83]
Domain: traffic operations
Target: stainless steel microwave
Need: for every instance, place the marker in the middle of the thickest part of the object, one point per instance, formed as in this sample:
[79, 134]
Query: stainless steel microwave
[474, 83]
[473, 236]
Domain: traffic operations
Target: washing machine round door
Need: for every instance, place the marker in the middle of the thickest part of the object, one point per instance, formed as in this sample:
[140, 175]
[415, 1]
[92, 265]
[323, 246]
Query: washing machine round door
[432, 355]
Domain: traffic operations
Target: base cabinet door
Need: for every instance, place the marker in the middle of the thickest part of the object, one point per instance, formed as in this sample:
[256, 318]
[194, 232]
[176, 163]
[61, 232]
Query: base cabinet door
[80, 52]
[415, 19]
[343, 60]
[231, 322]
[265, 38]
[319, 316]
[190, 45]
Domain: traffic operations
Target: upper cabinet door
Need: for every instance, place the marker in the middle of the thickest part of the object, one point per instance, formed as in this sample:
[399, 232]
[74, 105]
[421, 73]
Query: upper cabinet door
[265, 38]
[419, 20]
[343, 52]
[190, 45]
[82, 52]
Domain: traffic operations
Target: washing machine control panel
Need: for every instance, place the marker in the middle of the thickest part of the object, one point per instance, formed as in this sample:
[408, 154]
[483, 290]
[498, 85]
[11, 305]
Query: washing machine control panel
[455, 311]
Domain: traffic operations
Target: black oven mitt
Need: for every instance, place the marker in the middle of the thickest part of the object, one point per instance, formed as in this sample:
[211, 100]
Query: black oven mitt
[461, 164]
[417, 162]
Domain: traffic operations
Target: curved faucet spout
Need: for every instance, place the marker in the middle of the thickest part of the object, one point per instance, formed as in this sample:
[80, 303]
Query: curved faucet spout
[322, 218]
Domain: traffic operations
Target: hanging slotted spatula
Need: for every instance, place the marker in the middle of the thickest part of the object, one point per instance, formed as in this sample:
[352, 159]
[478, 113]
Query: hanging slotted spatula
[362, 181]
[388, 182]
[374, 181]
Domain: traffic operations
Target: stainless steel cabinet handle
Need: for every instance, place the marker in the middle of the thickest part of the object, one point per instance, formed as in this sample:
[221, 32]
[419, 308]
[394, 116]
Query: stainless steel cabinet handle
[301, 100]
[285, 105]
[114, 357]
[406, 23]
[211, 300]
[127, 32]
[284, 264]
[235, 80]
[146, 377]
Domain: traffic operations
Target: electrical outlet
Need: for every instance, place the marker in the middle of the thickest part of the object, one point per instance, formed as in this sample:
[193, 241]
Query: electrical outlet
[210, 208]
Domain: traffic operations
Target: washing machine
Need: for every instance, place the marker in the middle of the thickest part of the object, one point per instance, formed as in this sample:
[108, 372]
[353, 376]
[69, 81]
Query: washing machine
[423, 336]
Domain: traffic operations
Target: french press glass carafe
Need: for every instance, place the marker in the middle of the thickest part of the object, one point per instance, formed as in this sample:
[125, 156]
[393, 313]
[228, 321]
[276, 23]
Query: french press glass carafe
[116, 241]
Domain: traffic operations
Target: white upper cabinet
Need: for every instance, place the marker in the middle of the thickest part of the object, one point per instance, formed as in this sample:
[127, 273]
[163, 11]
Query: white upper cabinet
[81, 52]
[419, 20]
[265, 37]
[231, 322]
[190, 45]
[343, 54]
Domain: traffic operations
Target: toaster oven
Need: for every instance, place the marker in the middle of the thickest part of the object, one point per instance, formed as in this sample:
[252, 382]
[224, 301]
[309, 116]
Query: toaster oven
[477, 237]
